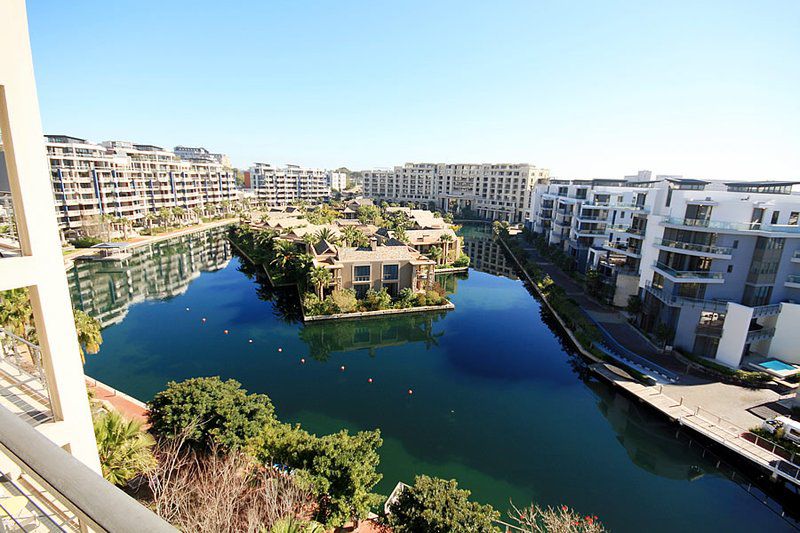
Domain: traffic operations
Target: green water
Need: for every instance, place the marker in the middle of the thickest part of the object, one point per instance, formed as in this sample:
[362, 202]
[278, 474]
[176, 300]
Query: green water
[499, 402]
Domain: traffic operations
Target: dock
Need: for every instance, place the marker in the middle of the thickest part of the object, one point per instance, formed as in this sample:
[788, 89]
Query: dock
[781, 463]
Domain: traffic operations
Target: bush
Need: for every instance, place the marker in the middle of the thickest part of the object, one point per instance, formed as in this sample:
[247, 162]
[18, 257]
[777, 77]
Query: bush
[462, 261]
[437, 505]
[344, 300]
[405, 299]
[86, 242]
[340, 468]
[125, 450]
[210, 411]
[377, 300]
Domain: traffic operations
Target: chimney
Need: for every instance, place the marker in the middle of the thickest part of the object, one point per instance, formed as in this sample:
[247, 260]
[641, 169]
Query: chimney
[373, 243]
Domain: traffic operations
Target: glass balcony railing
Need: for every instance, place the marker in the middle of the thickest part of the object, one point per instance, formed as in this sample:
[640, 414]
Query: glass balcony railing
[619, 228]
[635, 207]
[734, 226]
[796, 256]
[674, 300]
[688, 274]
[794, 278]
[701, 248]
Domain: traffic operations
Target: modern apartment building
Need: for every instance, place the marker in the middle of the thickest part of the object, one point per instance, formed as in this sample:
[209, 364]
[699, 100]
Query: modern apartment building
[198, 153]
[717, 263]
[282, 186]
[127, 180]
[493, 191]
[49, 467]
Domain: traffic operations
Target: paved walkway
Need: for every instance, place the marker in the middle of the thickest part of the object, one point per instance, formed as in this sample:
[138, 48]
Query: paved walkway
[614, 323]
[127, 405]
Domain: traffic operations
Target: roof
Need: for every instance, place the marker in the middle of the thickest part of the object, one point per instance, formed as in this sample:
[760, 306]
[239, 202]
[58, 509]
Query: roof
[761, 183]
[428, 236]
[111, 245]
[688, 181]
[381, 253]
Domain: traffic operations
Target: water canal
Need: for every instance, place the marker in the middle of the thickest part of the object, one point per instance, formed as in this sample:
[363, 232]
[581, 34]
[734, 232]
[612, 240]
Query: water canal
[500, 402]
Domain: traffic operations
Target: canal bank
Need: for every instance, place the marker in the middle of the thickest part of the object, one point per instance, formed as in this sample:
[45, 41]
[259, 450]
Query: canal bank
[778, 462]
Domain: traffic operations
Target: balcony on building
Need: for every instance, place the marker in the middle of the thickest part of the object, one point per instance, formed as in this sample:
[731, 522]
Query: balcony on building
[718, 226]
[796, 257]
[623, 248]
[699, 250]
[688, 276]
[793, 281]
[635, 232]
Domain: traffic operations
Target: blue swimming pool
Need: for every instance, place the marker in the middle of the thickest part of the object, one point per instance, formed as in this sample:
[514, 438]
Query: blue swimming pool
[777, 366]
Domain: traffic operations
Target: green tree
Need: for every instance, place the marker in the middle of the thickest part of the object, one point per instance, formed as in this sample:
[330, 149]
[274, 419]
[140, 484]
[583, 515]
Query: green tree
[284, 251]
[634, 304]
[16, 313]
[341, 468]
[211, 410]
[368, 214]
[662, 333]
[401, 235]
[446, 239]
[325, 234]
[125, 450]
[435, 253]
[437, 505]
[291, 524]
[320, 277]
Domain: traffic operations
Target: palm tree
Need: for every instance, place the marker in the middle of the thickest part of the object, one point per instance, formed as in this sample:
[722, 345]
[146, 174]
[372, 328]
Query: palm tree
[16, 313]
[353, 236]
[320, 277]
[289, 524]
[325, 234]
[436, 253]
[124, 449]
[284, 252]
[446, 239]
[400, 234]
[89, 336]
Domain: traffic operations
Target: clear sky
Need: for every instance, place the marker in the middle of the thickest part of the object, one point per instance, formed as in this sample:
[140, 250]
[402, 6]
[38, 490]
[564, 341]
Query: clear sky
[585, 88]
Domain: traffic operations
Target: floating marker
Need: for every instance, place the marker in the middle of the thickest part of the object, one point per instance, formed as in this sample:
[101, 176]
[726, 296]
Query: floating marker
[410, 391]
[204, 320]
[369, 380]
[250, 341]
[341, 368]
[280, 349]
[225, 332]
[187, 308]
[303, 360]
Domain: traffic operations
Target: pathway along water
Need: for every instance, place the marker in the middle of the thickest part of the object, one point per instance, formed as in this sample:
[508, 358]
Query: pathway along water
[500, 402]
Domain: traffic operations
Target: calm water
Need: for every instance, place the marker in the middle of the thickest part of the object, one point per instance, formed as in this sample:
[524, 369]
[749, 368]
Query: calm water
[499, 402]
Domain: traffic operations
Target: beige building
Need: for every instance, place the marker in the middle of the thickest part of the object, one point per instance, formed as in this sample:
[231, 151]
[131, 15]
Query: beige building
[493, 191]
[127, 180]
[282, 186]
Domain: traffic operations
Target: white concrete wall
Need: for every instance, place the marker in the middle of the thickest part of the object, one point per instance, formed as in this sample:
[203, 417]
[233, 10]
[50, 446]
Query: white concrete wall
[785, 343]
[734, 333]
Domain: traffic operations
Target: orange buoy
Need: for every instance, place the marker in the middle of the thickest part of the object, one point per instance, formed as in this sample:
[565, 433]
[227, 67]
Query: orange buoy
[410, 391]
[369, 380]
[341, 368]
[225, 332]
[203, 319]
[280, 349]
[303, 360]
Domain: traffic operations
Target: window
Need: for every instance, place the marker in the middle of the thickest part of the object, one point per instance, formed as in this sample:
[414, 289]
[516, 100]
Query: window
[730, 269]
[390, 272]
[793, 218]
[735, 244]
[391, 288]
[775, 215]
[361, 273]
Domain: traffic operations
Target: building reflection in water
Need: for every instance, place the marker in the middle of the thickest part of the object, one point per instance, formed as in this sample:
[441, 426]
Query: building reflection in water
[105, 289]
[485, 254]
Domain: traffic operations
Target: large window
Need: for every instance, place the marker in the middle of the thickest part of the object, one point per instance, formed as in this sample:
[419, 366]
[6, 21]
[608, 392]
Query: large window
[361, 273]
[390, 272]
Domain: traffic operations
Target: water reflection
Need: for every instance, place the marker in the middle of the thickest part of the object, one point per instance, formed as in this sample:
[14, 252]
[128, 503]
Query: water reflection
[485, 254]
[158, 271]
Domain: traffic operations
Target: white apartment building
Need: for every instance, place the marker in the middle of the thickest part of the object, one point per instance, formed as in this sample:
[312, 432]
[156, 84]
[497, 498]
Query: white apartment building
[128, 180]
[717, 263]
[492, 191]
[198, 153]
[337, 180]
[281, 186]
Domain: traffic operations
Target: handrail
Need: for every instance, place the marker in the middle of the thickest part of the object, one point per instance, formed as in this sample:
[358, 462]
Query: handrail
[704, 274]
[702, 248]
[734, 226]
[100, 504]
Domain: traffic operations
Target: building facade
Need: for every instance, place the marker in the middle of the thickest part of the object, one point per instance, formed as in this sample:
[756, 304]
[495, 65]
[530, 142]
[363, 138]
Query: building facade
[492, 191]
[716, 264]
[282, 186]
[127, 180]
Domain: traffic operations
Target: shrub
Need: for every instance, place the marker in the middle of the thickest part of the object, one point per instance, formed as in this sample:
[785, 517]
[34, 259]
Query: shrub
[405, 299]
[125, 450]
[340, 468]
[210, 411]
[377, 300]
[344, 300]
[437, 505]
[433, 298]
[86, 242]
[462, 261]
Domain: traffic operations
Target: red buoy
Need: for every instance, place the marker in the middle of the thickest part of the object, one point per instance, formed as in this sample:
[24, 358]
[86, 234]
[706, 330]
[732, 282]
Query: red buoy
[369, 380]
[280, 349]
[303, 360]
[410, 391]
[204, 319]
[250, 341]
[226, 332]
[341, 368]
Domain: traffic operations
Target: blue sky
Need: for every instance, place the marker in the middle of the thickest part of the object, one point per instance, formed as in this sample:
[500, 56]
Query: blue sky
[585, 88]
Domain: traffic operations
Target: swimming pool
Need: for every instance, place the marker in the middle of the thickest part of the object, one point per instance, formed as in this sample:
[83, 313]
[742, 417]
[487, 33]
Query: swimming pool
[777, 366]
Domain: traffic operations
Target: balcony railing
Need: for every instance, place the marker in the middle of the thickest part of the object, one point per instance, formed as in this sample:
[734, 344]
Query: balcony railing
[674, 300]
[56, 480]
[796, 257]
[734, 226]
[618, 228]
[688, 274]
[701, 248]
[759, 335]
[634, 207]
[793, 279]
[23, 382]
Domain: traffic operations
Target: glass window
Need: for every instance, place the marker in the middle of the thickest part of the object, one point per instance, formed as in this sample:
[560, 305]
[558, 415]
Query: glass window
[775, 215]
[793, 218]
[390, 272]
[361, 273]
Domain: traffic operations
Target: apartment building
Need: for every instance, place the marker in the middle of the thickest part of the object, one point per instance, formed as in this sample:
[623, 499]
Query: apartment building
[127, 180]
[492, 191]
[337, 180]
[282, 186]
[198, 153]
[717, 263]
[49, 464]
